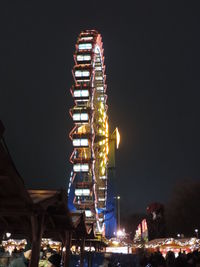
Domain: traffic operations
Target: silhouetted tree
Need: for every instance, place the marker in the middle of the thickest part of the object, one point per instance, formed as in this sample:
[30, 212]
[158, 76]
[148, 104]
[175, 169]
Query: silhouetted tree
[156, 221]
[183, 210]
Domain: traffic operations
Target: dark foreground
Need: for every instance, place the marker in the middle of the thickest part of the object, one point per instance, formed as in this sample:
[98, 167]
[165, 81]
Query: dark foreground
[142, 259]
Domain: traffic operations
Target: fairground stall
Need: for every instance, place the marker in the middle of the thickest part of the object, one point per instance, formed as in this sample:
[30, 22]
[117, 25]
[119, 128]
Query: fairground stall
[176, 245]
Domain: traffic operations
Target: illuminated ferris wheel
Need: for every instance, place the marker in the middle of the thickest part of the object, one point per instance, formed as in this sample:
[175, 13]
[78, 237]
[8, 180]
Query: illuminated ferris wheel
[90, 136]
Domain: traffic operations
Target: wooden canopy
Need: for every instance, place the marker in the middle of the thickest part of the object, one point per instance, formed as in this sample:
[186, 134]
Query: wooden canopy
[15, 201]
[34, 214]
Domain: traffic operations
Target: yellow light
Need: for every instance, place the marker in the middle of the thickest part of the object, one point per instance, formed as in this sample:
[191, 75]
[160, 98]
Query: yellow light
[115, 242]
[107, 149]
[82, 129]
[102, 170]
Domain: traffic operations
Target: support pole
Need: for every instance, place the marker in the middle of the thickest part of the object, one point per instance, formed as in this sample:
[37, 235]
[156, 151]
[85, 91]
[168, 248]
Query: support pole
[118, 212]
[37, 223]
[82, 251]
[67, 245]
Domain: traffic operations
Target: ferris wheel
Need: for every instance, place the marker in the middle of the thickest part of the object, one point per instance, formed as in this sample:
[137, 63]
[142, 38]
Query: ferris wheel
[90, 135]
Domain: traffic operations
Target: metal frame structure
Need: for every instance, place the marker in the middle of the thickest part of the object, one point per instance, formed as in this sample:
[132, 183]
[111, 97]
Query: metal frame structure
[90, 135]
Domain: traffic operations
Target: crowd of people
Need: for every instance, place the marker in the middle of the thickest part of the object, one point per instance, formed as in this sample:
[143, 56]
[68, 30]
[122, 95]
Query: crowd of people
[51, 258]
[182, 260]
[48, 258]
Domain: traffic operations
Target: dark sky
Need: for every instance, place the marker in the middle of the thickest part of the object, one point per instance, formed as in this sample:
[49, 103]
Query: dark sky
[152, 56]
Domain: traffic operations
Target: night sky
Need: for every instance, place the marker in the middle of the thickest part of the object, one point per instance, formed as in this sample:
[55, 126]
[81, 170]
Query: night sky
[152, 57]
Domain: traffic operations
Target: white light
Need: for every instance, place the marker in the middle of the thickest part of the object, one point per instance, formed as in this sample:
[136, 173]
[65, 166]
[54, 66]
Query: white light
[84, 167]
[98, 68]
[80, 117]
[196, 230]
[82, 192]
[117, 249]
[82, 73]
[98, 78]
[78, 73]
[120, 233]
[102, 199]
[117, 138]
[81, 167]
[83, 80]
[103, 177]
[81, 93]
[84, 142]
[82, 100]
[102, 188]
[85, 46]
[101, 98]
[84, 116]
[80, 142]
[8, 235]
[88, 213]
[76, 116]
[100, 88]
[86, 38]
[76, 142]
[83, 57]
